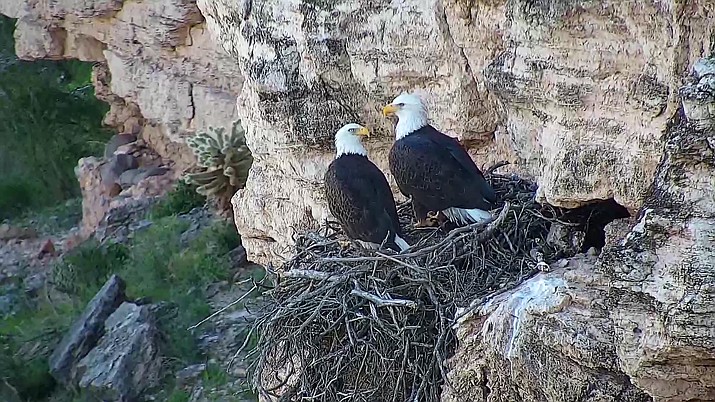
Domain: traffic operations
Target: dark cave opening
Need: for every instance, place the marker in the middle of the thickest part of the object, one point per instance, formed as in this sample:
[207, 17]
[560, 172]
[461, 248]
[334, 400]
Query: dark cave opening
[592, 220]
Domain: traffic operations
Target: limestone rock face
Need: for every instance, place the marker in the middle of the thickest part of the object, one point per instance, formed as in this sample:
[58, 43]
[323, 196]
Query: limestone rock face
[634, 324]
[579, 94]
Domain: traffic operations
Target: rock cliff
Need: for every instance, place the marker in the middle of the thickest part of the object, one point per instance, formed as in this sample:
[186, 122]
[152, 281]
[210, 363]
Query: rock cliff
[584, 96]
[579, 93]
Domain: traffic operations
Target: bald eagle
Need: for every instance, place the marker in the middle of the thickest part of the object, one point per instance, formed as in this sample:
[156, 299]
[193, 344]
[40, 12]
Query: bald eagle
[358, 194]
[434, 169]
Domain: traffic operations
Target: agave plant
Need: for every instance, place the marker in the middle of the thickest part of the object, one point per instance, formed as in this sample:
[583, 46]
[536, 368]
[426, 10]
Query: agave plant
[226, 159]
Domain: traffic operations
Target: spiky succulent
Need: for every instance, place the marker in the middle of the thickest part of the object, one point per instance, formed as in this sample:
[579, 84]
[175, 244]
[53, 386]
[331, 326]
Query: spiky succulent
[226, 158]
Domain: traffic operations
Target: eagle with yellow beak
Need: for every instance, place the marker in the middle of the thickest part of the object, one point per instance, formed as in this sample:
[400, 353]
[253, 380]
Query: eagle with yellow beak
[359, 196]
[434, 169]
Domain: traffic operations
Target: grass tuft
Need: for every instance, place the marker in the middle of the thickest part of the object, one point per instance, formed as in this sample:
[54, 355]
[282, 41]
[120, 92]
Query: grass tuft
[182, 199]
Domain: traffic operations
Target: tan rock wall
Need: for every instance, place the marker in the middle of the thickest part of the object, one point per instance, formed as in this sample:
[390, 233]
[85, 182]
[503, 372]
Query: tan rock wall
[578, 93]
[157, 56]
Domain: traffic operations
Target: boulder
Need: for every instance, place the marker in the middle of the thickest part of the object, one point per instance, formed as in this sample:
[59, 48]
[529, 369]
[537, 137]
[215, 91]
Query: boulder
[190, 374]
[86, 331]
[129, 177]
[117, 141]
[126, 360]
[113, 168]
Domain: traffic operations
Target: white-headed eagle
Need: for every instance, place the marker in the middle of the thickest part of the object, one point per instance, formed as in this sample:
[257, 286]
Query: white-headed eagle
[358, 194]
[434, 169]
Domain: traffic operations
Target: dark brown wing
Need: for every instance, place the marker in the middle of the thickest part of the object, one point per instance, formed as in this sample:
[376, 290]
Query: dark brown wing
[360, 198]
[426, 168]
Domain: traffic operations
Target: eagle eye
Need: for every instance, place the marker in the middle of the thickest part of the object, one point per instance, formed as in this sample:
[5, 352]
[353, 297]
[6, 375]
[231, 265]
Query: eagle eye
[401, 104]
[352, 130]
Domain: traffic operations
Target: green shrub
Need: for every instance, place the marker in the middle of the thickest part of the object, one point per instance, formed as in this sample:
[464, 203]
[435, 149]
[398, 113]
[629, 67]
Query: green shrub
[84, 269]
[17, 194]
[182, 199]
[179, 395]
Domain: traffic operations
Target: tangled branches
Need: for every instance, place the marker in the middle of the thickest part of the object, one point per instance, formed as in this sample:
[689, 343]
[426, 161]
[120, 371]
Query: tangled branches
[343, 324]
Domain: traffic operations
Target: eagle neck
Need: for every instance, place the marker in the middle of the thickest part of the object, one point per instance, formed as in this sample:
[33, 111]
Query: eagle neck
[349, 145]
[409, 124]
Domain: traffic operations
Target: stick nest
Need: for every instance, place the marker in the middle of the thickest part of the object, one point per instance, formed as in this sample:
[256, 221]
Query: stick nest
[347, 324]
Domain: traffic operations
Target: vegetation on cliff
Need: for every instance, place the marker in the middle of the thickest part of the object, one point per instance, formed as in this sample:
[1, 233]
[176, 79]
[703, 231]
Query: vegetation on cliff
[173, 259]
[169, 263]
[49, 118]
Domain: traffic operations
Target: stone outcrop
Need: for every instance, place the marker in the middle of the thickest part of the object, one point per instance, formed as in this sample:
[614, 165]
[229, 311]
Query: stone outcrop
[111, 350]
[86, 331]
[125, 362]
[129, 174]
[634, 324]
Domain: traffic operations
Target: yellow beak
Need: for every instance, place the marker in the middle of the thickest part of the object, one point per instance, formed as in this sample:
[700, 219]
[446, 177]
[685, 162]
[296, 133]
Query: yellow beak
[363, 132]
[389, 110]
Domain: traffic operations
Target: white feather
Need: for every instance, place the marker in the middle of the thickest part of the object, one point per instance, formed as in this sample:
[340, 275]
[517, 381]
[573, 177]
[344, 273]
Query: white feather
[467, 216]
[401, 243]
[409, 123]
[348, 143]
[412, 116]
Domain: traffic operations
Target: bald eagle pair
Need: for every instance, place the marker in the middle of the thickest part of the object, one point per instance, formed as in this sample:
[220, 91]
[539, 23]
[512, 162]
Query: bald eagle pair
[429, 166]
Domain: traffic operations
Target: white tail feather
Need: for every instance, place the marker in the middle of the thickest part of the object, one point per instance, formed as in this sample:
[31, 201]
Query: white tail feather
[467, 216]
[401, 243]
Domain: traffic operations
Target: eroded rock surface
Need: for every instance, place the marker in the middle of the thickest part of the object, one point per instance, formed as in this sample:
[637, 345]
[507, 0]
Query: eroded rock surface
[126, 360]
[634, 324]
[86, 331]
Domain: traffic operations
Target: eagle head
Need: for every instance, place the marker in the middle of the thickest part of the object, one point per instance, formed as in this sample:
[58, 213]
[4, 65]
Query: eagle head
[405, 105]
[410, 111]
[347, 139]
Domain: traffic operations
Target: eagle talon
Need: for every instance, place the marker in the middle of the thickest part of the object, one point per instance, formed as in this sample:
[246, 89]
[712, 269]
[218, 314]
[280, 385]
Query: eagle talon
[344, 244]
[428, 222]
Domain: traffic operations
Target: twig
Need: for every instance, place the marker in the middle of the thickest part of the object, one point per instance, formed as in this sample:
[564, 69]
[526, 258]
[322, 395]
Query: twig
[383, 302]
[314, 275]
[233, 303]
